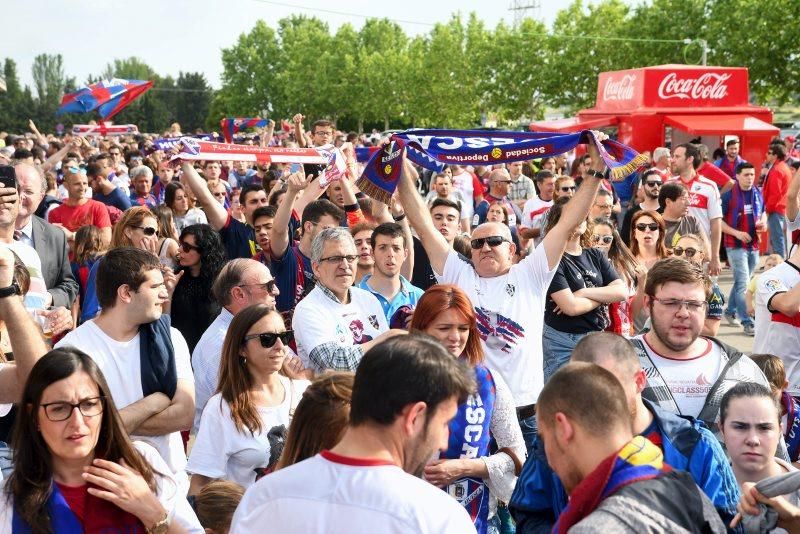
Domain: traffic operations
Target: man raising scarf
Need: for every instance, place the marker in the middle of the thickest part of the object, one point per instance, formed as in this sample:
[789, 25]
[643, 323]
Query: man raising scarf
[616, 483]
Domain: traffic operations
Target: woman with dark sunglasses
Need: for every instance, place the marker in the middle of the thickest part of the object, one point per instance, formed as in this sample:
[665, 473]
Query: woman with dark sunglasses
[647, 237]
[694, 248]
[201, 255]
[583, 286]
[254, 397]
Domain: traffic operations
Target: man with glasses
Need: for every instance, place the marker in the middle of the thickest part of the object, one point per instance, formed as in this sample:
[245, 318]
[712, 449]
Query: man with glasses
[509, 298]
[602, 206]
[499, 183]
[239, 284]
[337, 323]
[651, 185]
[77, 210]
[686, 373]
[321, 135]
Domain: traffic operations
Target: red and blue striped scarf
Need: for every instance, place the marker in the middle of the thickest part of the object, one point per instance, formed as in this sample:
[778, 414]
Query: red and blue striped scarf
[735, 213]
[638, 460]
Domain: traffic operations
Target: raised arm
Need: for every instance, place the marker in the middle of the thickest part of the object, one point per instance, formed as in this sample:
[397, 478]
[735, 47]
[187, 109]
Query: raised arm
[215, 213]
[51, 162]
[299, 134]
[278, 236]
[420, 219]
[400, 217]
[265, 135]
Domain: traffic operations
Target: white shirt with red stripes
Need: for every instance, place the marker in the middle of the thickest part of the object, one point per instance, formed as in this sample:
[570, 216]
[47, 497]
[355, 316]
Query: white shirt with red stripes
[782, 337]
[704, 200]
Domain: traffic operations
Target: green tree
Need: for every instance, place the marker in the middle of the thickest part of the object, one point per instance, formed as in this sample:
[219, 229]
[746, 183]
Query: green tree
[49, 81]
[193, 97]
[16, 102]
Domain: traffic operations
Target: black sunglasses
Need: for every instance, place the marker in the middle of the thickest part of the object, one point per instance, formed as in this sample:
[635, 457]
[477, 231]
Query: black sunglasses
[657, 184]
[268, 339]
[494, 241]
[653, 227]
[186, 247]
[567, 188]
[690, 252]
[148, 230]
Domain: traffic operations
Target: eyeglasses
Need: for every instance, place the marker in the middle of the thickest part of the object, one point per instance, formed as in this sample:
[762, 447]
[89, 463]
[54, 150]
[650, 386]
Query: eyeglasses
[502, 181]
[653, 184]
[268, 339]
[323, 132]
[675, 305]
[148, 230]
[62, 410]
[690, 251]
[219, 194]
[334, 260]
[186, 247]
[653, 227]
[269, 287]
[568, 188]
[492, 240]
[605, 239]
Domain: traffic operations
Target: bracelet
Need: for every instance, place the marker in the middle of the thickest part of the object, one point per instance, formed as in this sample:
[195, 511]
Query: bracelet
[399, 217]
[596, 174]
[350, 208]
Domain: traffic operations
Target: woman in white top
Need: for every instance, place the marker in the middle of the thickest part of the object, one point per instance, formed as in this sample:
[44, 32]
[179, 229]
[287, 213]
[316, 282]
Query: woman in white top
[253, 398]
[751, 428]
[75, 469]
[184, 212]
[467, 469]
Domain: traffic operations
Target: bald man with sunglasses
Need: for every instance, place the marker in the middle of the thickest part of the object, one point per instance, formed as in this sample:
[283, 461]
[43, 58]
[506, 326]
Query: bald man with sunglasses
[509, 299]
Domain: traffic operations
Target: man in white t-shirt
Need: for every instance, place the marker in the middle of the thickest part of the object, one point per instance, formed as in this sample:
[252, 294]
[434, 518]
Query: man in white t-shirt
[369, 481]
[335, 324]
[509, 299]
[132, 292]
[535, 209]
[779, 289]
[240, 283]
[686, 373]
[704, 198]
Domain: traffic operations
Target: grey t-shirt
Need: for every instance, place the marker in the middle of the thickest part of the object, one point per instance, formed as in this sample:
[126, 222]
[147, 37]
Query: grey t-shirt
[683, 226]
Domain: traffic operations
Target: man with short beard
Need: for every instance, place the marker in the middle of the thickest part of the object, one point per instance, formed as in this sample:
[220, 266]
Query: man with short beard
[686, 373]
[369, 481]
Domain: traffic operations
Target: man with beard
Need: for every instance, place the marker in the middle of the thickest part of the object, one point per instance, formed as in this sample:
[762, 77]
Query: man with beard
[686, 373]
[369, 482]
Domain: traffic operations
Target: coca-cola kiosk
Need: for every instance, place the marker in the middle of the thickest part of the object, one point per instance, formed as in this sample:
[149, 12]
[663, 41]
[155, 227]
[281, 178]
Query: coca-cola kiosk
[677, 103]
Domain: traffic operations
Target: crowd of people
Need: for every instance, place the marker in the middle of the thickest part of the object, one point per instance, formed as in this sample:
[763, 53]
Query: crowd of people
[216, 346]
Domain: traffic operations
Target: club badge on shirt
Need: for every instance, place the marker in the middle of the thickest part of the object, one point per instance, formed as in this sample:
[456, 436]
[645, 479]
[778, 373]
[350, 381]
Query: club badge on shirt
[373, 320]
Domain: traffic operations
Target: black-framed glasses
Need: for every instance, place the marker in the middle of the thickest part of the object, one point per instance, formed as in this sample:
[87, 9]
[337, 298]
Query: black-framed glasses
[605, 239]
[269, 287]
[268, 339]
[492, 240]
[186, 247]
[653, 227]
[148, 230]
[62, 410]
[323, 132]
[675, 305]
[689, 251]
[568, 188]
[335, 260]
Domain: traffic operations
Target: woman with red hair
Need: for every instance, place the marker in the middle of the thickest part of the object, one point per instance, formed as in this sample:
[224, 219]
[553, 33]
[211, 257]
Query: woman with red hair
[467, 470]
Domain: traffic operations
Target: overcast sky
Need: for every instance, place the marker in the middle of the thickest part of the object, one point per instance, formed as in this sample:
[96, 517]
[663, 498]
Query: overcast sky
[188, 35]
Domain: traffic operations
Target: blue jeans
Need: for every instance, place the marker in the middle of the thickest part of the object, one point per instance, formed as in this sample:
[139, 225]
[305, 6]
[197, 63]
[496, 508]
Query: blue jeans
[530, 429]
[557, 347]
[777, 233]
[743, 262]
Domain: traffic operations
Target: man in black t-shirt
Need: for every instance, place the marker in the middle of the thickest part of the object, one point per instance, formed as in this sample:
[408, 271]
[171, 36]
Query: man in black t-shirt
[446, 216]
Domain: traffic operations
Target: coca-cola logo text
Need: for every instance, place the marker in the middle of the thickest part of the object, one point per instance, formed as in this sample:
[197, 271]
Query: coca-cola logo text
[619, 90]
[708, 86]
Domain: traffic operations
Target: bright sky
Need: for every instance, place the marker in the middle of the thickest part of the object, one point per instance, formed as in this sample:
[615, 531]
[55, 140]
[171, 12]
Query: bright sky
[188, 35]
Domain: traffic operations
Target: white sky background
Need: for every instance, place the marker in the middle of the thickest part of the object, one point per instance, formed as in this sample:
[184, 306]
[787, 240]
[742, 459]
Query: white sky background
[186, 35]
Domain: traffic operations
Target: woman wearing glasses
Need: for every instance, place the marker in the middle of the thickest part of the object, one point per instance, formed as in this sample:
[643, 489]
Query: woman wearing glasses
[577, 299]
[200, 258]
[254, 400]
[75, 469]
[647, 237]
[693, 248]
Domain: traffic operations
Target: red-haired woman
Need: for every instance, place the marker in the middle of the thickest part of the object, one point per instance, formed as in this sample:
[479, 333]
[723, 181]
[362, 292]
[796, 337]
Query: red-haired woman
[467, 470]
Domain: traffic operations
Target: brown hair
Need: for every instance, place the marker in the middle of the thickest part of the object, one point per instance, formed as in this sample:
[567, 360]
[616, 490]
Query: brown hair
[326, 399]
[88, 243]
[661, 248]
[554, 215]
[216, 503]
[588, 395]
[674, 269]
[132, 217]
[773, 369]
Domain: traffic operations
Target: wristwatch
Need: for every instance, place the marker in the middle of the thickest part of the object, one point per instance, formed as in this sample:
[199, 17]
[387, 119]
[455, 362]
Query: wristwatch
[13, 289]
[596, 174]
[161, 527]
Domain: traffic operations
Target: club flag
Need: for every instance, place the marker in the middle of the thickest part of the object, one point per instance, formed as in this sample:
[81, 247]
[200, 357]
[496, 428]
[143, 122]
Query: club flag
[231, 126]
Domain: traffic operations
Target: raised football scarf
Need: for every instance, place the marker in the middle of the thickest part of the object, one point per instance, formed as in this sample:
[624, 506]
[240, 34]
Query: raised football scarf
[363, 154]
[196, 149]
[477, 147]
[638, 460]
[232, 125]
[469, 438]
[168, 143]
[84, 130]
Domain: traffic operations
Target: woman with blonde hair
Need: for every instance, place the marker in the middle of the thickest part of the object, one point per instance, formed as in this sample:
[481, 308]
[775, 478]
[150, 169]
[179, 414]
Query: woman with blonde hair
[254, 400]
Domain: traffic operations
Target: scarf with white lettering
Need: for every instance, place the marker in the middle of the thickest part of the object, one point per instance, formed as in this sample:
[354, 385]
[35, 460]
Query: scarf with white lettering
[478, 147]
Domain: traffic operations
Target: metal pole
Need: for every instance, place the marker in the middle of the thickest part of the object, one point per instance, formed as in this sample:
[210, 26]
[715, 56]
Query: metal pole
[704, 44]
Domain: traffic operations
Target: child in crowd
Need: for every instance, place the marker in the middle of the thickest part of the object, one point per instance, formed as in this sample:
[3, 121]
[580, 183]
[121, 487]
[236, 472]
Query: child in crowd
[773, 369]
[89, 248]
[770, 261]
[215, 505]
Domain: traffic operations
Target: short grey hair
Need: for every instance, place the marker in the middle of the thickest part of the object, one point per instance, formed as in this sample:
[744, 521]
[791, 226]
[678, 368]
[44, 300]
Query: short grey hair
[329, 234]
[230, 276]
[660, 152]
[141, 170]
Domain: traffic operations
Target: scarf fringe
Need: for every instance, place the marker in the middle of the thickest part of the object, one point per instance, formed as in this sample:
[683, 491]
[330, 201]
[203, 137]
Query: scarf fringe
[373, 191]
[629, 168]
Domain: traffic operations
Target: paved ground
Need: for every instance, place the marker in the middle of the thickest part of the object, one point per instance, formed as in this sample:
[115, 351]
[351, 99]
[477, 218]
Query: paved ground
[733, 335]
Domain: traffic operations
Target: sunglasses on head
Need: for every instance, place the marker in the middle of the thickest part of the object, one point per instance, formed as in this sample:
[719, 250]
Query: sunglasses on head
[493, 241]
[186, 247]
[605, 239]
[268, 339]
[690, 252]
[653, 227]
[148, 230]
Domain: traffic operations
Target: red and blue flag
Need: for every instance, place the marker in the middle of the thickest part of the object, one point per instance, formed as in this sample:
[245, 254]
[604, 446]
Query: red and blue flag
[108, 97]
[233, 125]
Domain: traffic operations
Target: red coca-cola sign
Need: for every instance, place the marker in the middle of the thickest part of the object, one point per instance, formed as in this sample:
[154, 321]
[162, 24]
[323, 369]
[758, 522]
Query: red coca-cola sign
[708, 86]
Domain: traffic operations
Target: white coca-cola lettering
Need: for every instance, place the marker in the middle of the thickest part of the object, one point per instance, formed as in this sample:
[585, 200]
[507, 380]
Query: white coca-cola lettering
[619, 90]
[708, 86]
